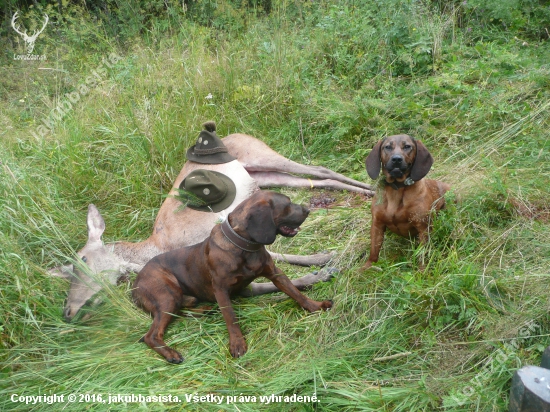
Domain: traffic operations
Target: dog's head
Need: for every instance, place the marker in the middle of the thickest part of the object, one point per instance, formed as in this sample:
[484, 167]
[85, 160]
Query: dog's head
[267, 214]
[400, 157]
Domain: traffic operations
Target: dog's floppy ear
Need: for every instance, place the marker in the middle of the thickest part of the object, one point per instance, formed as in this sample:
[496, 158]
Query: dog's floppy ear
[422, 163]
[373, 162]
[260, 224]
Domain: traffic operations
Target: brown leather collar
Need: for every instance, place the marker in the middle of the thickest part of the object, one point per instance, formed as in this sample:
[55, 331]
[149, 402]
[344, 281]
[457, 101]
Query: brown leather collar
[398, 185]
[239, 241]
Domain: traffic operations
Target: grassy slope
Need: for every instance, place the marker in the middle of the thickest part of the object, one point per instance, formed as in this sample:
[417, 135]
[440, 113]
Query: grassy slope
[483, 113]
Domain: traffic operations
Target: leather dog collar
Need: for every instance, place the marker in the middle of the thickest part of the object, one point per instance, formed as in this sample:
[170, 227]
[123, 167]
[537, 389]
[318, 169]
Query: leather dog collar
[398, 185]
[239, 241]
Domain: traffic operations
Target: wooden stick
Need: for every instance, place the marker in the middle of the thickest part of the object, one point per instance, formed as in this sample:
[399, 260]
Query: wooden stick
[396, 356]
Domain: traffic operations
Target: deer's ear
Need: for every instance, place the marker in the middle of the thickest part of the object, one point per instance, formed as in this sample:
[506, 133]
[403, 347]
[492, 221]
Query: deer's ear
[96, 224]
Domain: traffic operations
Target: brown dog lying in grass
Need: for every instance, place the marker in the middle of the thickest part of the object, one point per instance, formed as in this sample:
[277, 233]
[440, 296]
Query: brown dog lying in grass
[220, 267]
[407, 202]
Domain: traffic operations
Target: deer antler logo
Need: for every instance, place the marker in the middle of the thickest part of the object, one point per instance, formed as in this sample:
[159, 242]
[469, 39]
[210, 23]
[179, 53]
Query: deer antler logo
[30, 40]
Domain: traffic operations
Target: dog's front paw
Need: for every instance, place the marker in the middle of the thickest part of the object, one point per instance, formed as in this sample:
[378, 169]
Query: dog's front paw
[237, 347]
[368, 266]
[314, 306]
[173, 356]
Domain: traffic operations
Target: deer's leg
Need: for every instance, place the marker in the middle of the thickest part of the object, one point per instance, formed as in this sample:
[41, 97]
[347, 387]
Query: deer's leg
[319, 259]
[256, 156]
[278, 179]
[303, 283]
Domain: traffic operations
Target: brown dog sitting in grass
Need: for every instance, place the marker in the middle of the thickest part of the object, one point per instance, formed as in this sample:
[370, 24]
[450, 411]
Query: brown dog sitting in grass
[407, 202]
[220, 267]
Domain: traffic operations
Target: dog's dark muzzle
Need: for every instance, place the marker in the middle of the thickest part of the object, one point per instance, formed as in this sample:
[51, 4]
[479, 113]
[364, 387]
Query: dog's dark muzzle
[290, 226]
[397, 166]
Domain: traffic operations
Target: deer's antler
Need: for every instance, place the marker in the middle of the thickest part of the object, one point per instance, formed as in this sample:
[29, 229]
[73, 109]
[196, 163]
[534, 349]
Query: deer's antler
[15, 27]
[43, 27]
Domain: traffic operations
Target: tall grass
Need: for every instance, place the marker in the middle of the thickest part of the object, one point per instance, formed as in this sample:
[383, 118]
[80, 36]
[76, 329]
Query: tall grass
[320, 85]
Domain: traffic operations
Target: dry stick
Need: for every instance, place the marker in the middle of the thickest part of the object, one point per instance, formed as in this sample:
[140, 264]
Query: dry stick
[303, 143]
[396, 356]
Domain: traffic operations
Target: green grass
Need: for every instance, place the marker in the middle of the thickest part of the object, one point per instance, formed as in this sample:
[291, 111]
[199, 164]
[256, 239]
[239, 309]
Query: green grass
[321, 86]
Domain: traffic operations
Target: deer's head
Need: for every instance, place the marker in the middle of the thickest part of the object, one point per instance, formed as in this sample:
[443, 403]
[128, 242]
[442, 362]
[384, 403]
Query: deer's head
[96, 263]
[30, 40]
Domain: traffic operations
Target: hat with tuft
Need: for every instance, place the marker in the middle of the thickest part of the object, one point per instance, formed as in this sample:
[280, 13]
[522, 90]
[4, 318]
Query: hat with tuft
[209, 148]
[207, 191]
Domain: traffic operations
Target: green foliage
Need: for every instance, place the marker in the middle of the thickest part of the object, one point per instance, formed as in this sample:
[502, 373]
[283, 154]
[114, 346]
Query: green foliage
[227, 15]
[530, 18]
[389, 38]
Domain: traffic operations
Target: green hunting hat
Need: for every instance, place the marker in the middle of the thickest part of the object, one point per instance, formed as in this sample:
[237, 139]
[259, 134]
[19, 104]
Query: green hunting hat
[209, 148]
[207, 191]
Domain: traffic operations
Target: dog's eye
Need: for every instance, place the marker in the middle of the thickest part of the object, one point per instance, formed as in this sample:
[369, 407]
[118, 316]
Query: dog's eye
[387, 147]
[407, 146]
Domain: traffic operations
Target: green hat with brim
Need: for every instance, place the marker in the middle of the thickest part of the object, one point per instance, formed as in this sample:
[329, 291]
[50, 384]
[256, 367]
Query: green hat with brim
[209, 148]
[207, 191]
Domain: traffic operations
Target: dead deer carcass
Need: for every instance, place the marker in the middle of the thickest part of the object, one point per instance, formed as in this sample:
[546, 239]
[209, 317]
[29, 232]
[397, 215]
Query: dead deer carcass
[257, 165]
